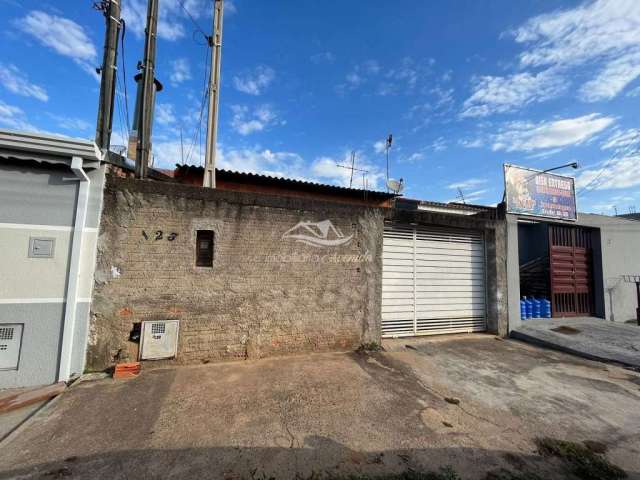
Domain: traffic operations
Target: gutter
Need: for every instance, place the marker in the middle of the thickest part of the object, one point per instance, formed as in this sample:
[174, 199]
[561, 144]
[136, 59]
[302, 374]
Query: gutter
[71, 304]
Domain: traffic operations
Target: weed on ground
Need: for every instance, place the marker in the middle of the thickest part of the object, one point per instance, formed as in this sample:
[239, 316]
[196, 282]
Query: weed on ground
[584, 462]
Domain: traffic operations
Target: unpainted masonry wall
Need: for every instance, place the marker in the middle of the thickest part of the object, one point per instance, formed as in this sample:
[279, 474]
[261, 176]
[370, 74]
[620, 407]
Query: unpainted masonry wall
[265, 295]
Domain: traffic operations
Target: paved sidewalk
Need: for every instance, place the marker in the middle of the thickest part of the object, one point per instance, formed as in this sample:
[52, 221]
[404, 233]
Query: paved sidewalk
[592, 338]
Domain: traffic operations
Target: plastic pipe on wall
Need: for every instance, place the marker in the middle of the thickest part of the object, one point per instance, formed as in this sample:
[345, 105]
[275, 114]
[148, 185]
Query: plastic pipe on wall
[71, 304]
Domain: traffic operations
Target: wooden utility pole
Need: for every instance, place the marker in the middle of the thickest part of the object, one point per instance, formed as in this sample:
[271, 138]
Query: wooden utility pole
[108, 71]
[215, 42]
[143, 148]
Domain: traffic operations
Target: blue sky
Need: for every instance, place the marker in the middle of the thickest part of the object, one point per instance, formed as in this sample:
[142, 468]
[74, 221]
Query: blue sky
[464, 86]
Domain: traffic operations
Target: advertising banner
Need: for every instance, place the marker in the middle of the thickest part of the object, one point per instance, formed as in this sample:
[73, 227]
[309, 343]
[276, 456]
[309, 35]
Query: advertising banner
[531, 192]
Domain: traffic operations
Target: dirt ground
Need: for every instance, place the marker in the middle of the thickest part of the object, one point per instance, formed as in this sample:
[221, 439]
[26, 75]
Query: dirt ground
[470, 402]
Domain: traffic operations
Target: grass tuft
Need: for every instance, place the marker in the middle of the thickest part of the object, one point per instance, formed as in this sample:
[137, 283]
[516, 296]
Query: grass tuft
[583, 461]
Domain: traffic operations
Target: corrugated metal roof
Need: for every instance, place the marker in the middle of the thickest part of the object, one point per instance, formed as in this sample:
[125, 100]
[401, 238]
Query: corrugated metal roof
[257, 178]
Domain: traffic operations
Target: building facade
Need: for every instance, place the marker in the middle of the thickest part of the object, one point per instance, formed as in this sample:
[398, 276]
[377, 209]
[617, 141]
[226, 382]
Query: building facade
[579, 266]
[50, 201]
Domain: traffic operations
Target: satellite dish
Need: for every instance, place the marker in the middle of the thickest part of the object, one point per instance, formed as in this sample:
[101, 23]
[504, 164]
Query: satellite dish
[396, 186]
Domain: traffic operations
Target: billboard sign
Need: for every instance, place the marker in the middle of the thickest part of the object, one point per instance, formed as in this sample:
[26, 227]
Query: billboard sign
[532, 192]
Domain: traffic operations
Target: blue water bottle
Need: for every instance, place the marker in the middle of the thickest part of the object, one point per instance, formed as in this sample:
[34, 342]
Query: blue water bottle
[546, 308]
[529, 305]
[536, 307]
[523, 309]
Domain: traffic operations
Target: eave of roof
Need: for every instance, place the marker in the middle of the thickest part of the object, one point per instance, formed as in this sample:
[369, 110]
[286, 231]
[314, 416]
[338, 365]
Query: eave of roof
[260, 179]
[48, 148]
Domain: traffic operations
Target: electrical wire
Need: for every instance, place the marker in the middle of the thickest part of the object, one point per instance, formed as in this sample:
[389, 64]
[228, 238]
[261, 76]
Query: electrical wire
[619, 153]
[124, 75]
[205, 94]
[193, 20]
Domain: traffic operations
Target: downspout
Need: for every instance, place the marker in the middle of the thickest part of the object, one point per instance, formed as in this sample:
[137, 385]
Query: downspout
[71, 304]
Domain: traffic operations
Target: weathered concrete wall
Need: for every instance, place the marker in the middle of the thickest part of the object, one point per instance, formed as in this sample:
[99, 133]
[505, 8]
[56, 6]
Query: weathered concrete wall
[265, 295]
[496, 252]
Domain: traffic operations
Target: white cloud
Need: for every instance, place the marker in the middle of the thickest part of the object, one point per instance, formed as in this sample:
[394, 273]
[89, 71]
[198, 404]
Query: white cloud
[595, 32]
[71, 123]
[526, 136]
[171, 16]
[164, 114]
[14, 118]
[246, 121]
[506, 94]
[622, 140]
[603, 35]
[439, 144]
[15, 81]
[255, 82]
[469, 183]
[323, 57]
[612, 79]
[262, 161]
[414, 157]
[471, 143]
[180, 71]
[380, 146]
[614, 173]
[62, 35]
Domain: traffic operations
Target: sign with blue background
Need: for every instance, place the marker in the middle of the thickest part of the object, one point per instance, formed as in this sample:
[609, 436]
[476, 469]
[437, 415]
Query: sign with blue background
[531, 192]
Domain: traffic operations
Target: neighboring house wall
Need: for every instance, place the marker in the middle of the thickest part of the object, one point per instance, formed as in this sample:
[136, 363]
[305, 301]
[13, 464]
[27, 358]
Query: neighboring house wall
[620, 255]
[39, 200]
[264, 295]
[615, 253]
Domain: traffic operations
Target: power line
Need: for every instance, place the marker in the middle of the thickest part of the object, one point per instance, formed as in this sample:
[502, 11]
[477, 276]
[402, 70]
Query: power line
[205, 92]
[193, 20]
[632, 149]
[124, 76]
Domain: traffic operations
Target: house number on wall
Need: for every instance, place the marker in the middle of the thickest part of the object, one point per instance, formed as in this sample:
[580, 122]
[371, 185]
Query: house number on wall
[159, 235]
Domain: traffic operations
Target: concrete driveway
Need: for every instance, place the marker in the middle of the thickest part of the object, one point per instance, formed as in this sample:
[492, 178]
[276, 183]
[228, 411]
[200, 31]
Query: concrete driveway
[472, 402]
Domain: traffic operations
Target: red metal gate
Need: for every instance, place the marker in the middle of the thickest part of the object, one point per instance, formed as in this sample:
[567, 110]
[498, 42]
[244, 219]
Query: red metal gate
[571, 269]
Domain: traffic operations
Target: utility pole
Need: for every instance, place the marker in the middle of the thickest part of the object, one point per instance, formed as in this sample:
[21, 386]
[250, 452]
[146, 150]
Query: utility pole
[215, 42]
[108, 71]
[143, 148]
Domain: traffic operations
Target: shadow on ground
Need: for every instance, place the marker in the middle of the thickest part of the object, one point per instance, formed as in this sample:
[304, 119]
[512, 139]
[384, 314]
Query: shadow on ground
[319, 458]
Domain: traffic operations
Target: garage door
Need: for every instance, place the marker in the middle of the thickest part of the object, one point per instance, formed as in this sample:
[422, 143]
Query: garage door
[433, 281]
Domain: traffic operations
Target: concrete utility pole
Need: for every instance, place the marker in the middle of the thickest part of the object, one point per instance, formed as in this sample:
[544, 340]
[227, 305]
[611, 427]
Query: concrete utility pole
[111, 11]
[215, 42]
[143, 148]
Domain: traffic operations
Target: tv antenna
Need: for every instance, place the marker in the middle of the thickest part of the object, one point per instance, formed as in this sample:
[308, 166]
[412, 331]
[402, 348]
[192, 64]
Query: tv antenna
[387, 147]
[461, 196]
[354, 169]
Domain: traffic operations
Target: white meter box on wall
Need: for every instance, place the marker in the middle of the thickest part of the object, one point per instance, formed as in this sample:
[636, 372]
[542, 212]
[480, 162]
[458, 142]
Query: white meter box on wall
[159, 339]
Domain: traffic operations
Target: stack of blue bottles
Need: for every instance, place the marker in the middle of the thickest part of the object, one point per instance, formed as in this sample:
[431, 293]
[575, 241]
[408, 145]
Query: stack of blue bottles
[546, 308]
[536, 307]
[523, 309]
[529, 306]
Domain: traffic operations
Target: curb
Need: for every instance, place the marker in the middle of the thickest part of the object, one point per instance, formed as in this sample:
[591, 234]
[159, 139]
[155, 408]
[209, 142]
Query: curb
[561, 348]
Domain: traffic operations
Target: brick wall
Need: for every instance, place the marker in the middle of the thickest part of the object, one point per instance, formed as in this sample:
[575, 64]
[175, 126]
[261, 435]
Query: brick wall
[265, 295]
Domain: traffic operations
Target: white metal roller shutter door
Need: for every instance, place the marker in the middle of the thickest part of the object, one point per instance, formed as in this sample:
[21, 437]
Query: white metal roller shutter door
[433, 281]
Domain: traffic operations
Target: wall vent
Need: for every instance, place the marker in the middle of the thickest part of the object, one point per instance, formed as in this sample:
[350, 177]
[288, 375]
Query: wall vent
[10, 342]
[159, 339]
